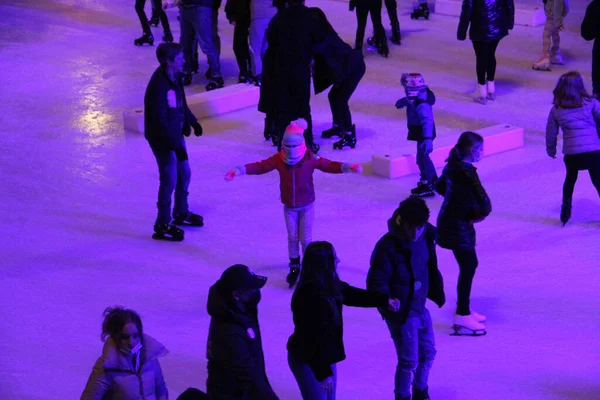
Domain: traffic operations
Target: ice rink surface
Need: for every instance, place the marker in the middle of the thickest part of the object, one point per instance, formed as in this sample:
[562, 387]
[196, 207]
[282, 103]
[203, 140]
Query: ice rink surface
[78, 205]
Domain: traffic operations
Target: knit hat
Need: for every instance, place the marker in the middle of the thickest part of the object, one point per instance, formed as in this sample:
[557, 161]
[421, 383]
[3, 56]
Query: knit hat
[293, 143]
[413, 83]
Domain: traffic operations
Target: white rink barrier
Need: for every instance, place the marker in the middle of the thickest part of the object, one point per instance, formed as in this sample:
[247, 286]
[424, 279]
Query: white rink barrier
[524, 15]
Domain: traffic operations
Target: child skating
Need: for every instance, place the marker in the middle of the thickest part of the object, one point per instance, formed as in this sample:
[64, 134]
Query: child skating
[295, 164]
[555, 11]
[578, 115]
[421, 128]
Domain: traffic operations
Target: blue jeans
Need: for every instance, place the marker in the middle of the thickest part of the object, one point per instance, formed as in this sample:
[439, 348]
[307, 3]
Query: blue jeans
[415, 347]
[202, 23]
[310, 388]
[425, 164]
[174, 176]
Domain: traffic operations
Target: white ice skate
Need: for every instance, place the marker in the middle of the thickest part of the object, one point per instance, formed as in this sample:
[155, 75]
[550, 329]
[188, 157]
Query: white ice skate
[491, 91]
[557, 58]
[478, 317]
[466, 325]
[480, 95]
[543, 64]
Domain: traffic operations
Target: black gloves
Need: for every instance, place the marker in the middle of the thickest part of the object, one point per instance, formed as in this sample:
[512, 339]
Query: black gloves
[181, 154]
[197, 129]
[187, 131]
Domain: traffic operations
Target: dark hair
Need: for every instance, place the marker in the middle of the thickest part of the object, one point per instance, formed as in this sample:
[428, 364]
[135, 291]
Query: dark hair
[570, 91]
[115, 318]
[166, 52]
[462, 148]
[413, 211]
[319, 268]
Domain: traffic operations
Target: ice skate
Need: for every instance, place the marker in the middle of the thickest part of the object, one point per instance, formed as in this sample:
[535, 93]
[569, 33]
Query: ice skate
[543, 64]
[146, 38]
[331, 132]
[491, 91]
[153, 21]
[167, 37]
[371, 42]
[556, 58]
[216, 82]
[189, 219]
[257, 80]
[396, 38]
[348, 140]
[422, 11]
[478, 317]
[292, 277]
[466, 325]
[420, 394]
[268, 132]
[167, 232]
[245, 77]
[186, 79]
[565, 212]
[480, 94]
[423, 189]
[382, 45]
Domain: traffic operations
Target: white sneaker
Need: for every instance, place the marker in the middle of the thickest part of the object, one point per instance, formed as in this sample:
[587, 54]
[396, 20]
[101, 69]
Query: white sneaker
[466, 325]
[478, 317]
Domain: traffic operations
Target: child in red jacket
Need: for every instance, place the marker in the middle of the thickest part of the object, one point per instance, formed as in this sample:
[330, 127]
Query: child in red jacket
[295, 164]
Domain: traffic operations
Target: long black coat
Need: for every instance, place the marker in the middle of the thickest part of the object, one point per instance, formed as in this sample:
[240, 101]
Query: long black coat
[291, 36]
[590, 30]
[489, 19]
[465, 202]
[236, 364]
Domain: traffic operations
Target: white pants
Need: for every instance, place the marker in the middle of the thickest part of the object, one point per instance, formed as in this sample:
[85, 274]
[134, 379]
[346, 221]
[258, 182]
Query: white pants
[299, 221]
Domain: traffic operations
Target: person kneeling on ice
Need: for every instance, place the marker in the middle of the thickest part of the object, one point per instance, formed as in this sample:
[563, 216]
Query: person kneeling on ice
[404, 266]
[419, 103]
[236, 363]
[295, 164]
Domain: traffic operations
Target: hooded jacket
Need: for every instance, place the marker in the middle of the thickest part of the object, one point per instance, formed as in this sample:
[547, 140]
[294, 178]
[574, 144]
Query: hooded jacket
[579, 126]
[465, 202]
[419, 115]
[236, 364]
[590, 30]
[488, 19]
[391, 271]
[115, 378]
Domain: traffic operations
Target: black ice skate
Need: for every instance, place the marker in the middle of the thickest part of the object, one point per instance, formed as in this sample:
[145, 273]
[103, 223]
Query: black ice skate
[331, 132]
[269, 129]
[396, 38]
[216, 82]
[371, 42]
[167, 232]
[257, 80]
[466, 325]
[565, 213]
[189, 219]
[292, 277]
[245, 77]
[382, 45]
[146, 38]
[423, 189]
[348, 140]
[153, 21]
[420, 394]
[420, 12]
[167, 37]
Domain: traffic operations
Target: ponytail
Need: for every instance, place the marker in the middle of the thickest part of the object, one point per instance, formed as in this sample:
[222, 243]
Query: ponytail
[465, 143]
[455, 155]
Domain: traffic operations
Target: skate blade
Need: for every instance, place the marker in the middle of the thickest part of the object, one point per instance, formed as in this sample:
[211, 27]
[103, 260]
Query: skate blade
[548, 69]
[157, 236]
[189, 224]
[464, 331]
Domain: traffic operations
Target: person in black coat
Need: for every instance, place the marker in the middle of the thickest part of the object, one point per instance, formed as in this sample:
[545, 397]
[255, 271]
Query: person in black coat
[590, 30]
[167, 119]
[465, 203]
[316, 345]
[236, 364]
[490, 21]
[337, 64]
[285, 90]
[404, 266]
[363, 9]
[238, 14]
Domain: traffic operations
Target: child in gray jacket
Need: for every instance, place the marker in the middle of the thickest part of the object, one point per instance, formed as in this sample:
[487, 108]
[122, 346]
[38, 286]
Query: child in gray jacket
[421, 128]
[578, 115]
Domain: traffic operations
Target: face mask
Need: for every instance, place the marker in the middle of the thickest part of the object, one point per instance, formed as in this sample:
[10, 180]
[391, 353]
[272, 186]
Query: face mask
[294, 154]
[127, 351]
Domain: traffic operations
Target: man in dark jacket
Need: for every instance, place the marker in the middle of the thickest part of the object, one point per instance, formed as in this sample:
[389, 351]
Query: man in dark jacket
[590, 30]
[404, 266]
[167, 119]
[236, 364]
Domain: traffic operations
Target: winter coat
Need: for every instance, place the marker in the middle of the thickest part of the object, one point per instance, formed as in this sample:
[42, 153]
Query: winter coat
[556, 10]
[236, 363]
[391, 271]
[590, 30]
[295, 181]
[419, 116]
[115, 378]
[465, 202]
[214, 4]
[488, 19]
[164, 124]
[318, 326]
[237, 10]
[291, 36]
[580, 128]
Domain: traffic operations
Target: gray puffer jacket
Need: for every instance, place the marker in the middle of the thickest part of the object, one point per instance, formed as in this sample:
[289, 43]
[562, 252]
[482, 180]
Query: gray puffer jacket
[579, 126]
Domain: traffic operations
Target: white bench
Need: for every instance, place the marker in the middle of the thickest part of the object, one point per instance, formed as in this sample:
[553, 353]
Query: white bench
[497, 139]
[205, 104]
[524, 15]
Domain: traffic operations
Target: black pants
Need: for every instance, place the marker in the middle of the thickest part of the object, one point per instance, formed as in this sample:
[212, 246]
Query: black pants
[485, 60]
[467, 264]
[391, 8]
[580, 162]
[283, 120]
[362, 12]
[339, 95]
[157, 7]
[241, 49]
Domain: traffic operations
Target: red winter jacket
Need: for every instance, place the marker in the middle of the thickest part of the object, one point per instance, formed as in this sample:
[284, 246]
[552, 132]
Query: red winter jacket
[295, 181]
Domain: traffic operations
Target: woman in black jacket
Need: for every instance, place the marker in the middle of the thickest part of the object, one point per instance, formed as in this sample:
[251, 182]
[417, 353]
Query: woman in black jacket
[316, 344]
[590, 30]
[465, 203]
[490, 21]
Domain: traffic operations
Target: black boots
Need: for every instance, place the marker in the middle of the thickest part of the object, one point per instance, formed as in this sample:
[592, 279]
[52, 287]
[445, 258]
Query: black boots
[348, 140]
[420, 394]
[565, 212]
[335, 130]
[146, 38]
